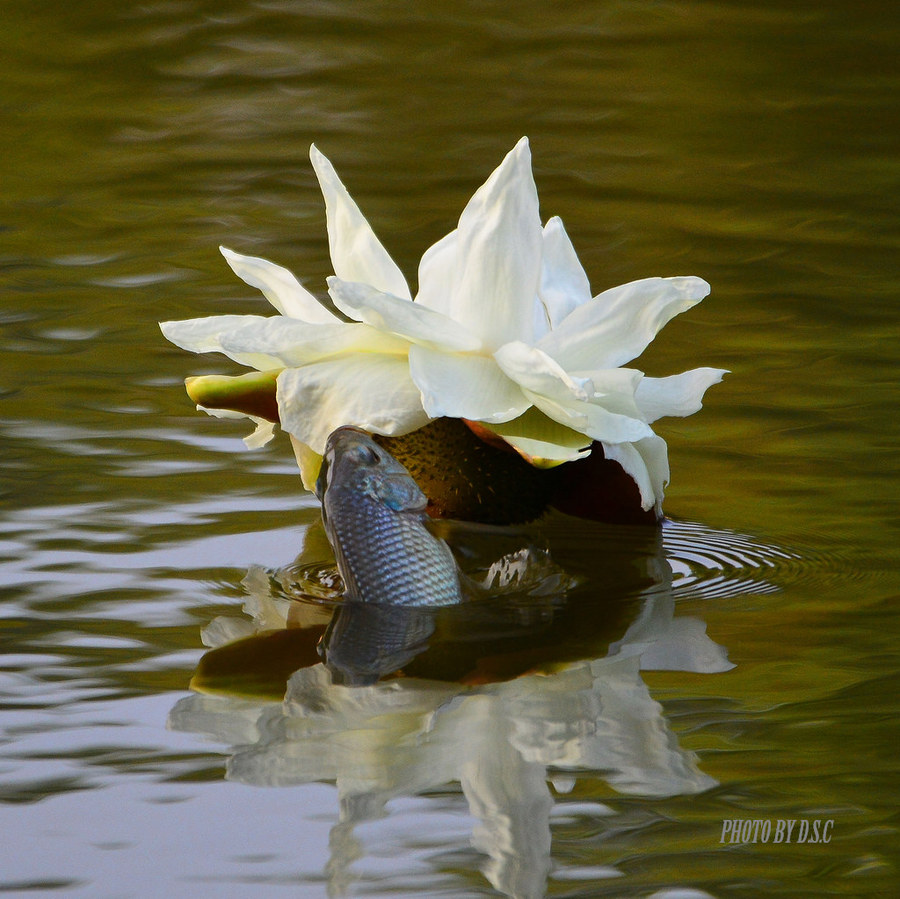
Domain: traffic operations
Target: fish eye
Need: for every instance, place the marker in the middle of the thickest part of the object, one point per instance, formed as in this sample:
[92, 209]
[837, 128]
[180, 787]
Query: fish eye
[365, 455]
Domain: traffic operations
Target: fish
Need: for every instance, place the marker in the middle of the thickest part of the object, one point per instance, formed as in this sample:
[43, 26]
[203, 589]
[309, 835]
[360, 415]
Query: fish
[376, 522]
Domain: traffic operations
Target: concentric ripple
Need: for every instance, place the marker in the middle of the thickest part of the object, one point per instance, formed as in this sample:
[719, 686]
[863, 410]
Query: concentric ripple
[708, 562]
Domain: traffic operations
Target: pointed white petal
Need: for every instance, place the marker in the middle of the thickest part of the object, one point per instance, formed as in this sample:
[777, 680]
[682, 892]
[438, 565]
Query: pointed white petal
[263, 433]
[204, 335]
[498, 255]
[564, 284]
[413, 321]
[464, 386]
[541, 440]
[534, 370]
[615, 389]
[356, 253]
[607, 413]
[541, 320]
[676, 395]
[592, 419]
[437, 271]
[201, 335]
[296, 343]
[617, 325]
[647, 463]
[279, 286]
[276, 341]
[369, 391]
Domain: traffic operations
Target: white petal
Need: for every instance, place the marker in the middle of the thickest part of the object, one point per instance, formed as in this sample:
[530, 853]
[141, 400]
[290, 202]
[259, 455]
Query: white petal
[464, 386]
[437, 271]
[263, 433]
[591, 419]
[204, 335]
[308, 462]
[541, 440]
[606, 414]
[498, 255]
[534, 370]
[564, 284]
[356, 253]
[617, 325]
[647, 463]
[201, 335]
[615, 389]
[369, 391]
[678, 394]
[276, 341]
[541, 319]
[279, 286]
[297, 343]
[405, 318]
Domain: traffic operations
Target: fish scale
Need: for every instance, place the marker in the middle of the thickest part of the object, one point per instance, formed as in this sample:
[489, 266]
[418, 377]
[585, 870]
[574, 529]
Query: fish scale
[375, 520]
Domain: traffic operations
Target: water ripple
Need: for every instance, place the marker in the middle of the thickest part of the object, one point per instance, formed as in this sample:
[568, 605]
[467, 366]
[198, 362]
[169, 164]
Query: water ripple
[708, 562]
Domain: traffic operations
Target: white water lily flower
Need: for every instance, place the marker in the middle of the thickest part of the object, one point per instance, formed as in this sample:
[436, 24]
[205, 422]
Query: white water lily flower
[503, 331]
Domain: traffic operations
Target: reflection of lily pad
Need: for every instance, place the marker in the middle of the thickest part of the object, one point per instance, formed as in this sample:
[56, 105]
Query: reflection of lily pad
[259, 665]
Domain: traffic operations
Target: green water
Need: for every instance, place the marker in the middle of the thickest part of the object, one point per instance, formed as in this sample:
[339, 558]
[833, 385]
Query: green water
[753, 145]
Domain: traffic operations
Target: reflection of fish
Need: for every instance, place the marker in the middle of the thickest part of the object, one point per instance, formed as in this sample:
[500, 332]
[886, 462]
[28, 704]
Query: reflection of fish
[365, 642]
[374, 515]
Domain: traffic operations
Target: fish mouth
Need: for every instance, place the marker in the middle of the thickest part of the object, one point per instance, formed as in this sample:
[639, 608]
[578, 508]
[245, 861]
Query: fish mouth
[345, 431]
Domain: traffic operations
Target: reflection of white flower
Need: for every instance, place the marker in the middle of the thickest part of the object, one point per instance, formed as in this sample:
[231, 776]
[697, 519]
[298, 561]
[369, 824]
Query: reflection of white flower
[500, 741]
[503, 331]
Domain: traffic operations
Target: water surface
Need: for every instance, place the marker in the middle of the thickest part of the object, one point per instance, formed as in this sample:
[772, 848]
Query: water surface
[753, 146]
